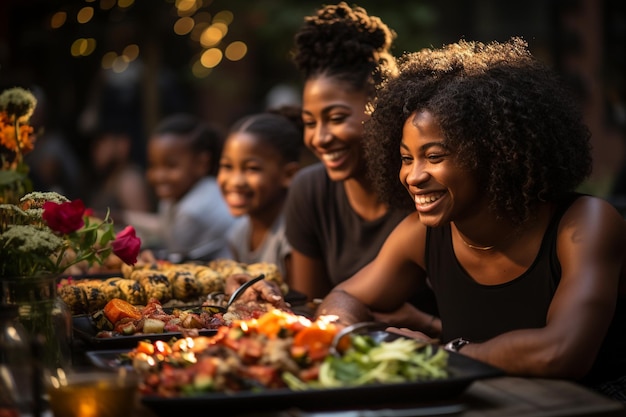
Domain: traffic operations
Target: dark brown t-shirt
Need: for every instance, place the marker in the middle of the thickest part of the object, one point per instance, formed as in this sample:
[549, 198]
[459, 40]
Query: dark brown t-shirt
[320, 223]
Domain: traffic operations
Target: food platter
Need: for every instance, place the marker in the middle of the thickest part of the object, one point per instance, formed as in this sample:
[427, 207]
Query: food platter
[86, 331]
[108, 359]
[462, 371]
[171, 284]
[427, 392]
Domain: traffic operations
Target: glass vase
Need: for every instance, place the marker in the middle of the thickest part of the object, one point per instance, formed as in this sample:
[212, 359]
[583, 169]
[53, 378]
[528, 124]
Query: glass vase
[16, 371]
[43, 314]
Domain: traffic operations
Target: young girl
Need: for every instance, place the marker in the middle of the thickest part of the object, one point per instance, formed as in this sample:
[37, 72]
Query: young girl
[259, 159]
[182, 161]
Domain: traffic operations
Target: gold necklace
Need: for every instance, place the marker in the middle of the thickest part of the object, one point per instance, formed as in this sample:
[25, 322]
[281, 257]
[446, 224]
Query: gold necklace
[469, 245]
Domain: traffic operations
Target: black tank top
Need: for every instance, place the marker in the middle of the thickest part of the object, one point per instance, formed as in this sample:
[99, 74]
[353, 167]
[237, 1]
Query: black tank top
[519, 304]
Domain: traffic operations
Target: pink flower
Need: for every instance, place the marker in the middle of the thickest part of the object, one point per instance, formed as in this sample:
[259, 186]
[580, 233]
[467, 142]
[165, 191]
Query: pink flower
[65, 217]
[126, 245]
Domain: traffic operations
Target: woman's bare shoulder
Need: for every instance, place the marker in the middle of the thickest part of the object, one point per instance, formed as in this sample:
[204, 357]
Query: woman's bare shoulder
[591, 208]
[408, 239]
[593, 221]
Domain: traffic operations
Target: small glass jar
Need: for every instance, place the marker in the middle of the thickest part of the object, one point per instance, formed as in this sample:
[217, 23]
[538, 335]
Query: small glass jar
[16, 371]
[42, 313]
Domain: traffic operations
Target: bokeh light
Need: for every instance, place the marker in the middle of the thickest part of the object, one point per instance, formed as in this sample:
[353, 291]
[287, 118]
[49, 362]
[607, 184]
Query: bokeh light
[225, 16]
[184, 25]
[120, 64]
[84, 15]
[211, 57]
[83, 47]
[186, 7]
[58, 19]
[131, 52]
[107, 4]
[108, 59]
[191, 18]
[236, 51]
[221, 26]
[200, 71]
[211, 36]
[124, 4]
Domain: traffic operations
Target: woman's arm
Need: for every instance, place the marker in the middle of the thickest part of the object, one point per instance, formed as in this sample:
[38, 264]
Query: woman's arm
[386, 283]
[303, 222]
[591, 249]
[308, 275]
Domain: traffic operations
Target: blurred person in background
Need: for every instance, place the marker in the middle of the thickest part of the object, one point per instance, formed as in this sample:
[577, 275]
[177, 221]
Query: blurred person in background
[116, 182]
[192, 220]
[54, 164]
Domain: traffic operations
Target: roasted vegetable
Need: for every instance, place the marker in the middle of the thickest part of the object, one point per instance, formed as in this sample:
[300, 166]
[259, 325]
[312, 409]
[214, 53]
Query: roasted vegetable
[117, 309]
[153, 326]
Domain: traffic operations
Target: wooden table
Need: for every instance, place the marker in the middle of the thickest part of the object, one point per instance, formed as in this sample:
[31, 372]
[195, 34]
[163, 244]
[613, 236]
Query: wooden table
[510, 396]
[496, 397]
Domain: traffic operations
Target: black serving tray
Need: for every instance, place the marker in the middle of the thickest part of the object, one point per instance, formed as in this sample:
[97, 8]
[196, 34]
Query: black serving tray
[85, 330]
[437, 395]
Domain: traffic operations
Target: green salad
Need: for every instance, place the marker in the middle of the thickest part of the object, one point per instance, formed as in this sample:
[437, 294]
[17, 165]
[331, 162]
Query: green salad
[368, 361]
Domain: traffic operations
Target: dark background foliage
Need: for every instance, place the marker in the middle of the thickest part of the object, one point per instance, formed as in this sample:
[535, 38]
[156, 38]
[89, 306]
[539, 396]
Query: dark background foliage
[584, 39]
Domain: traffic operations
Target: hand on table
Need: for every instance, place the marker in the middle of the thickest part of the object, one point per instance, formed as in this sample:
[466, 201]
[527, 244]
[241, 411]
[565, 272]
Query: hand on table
[264, 290]
[410, 317]
[413, 334]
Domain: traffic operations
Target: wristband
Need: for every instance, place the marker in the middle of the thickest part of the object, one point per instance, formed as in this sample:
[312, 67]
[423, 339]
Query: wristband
[456, 345]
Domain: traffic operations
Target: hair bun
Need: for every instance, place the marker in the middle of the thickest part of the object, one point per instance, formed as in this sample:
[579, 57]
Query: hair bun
[340, 38]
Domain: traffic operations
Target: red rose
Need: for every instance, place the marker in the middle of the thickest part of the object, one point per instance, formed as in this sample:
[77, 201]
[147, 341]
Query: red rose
[126, 245]
[64, 217]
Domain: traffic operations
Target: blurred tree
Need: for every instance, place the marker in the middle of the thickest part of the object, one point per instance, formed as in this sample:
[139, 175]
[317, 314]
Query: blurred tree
[37, 38]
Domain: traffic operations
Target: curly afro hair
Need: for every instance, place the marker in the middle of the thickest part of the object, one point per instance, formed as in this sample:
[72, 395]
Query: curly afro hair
[507, 117]
[345, 43]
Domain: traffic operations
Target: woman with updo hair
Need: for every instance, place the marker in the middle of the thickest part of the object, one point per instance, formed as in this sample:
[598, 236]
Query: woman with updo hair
[335, 221]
